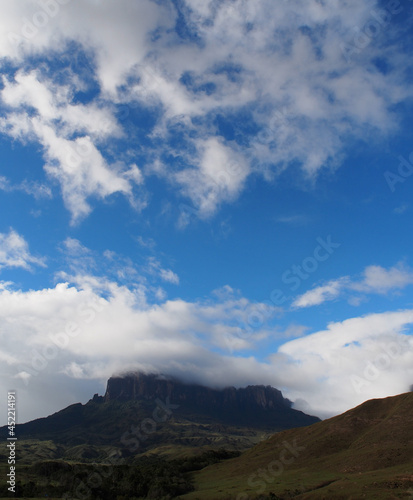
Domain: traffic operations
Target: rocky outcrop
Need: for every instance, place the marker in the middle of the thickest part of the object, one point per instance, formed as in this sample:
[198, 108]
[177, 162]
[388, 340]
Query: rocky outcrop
[184, 415]
[244, 405]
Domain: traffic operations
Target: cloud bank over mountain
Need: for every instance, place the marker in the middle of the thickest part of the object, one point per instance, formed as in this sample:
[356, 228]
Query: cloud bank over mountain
[217, 189]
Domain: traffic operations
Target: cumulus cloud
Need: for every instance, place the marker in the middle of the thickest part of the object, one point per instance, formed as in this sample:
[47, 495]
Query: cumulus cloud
[219, 175]
[350, 361]
[233, 91]
[380, 280]
[374, 279]
[68, 133]
[82, 333]
[94, 328]
[281, 65]
[14, 252]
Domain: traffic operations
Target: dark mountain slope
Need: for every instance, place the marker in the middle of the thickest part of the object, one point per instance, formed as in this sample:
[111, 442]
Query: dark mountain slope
[141, 413]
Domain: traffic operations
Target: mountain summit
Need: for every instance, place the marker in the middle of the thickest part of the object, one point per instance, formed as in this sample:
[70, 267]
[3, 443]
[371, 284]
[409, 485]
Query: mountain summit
[148, 413]
[142, 386]
[255, 405]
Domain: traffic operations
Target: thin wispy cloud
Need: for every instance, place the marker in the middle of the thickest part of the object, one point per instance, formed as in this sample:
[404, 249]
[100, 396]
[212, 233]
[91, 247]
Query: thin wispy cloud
[169, 276]
[374, 280]
[15, 253]
[320, 294]
[36, 189]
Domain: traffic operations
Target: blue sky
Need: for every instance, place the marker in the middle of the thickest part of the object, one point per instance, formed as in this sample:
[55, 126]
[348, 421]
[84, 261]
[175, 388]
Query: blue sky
[218, 189]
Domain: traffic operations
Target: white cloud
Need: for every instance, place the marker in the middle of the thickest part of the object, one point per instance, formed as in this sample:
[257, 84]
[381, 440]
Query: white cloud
[154, 268]
[375, 279]
[350, 361]
[280, 63]
[169, 276]
[146, 242]
[32, 188]
[380, 280]
[73, 330]
[320, 294]
[117, 31]
[14, 252]
[79, 259]
[219, 175]
[293, 330]
[146, 275]
[75, 247]
[53, 102]
[76, 163]
[84, 333]
[35, 189]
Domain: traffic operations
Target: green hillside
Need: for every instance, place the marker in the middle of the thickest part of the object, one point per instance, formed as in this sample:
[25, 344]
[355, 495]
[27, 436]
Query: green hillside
[80, 452]
[366, 452]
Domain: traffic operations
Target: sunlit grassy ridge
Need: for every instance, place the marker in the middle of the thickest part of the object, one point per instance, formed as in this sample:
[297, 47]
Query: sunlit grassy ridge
[366, 452]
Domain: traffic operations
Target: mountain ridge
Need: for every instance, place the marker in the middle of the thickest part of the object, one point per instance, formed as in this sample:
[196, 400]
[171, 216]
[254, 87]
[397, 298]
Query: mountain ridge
[151, 413]
[134, 385]
[366, 452]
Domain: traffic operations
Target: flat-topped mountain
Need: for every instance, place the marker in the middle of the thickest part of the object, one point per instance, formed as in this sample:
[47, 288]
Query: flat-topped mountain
[160, 414]
[256, 406]
[259, 404]
[140, 385]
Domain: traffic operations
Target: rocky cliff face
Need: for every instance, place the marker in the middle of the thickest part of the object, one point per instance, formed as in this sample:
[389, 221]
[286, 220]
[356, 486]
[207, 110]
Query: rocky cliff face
[196, 415]
[142, 386]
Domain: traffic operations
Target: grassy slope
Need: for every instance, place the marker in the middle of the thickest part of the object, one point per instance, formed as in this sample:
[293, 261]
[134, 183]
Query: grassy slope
[366, 452]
